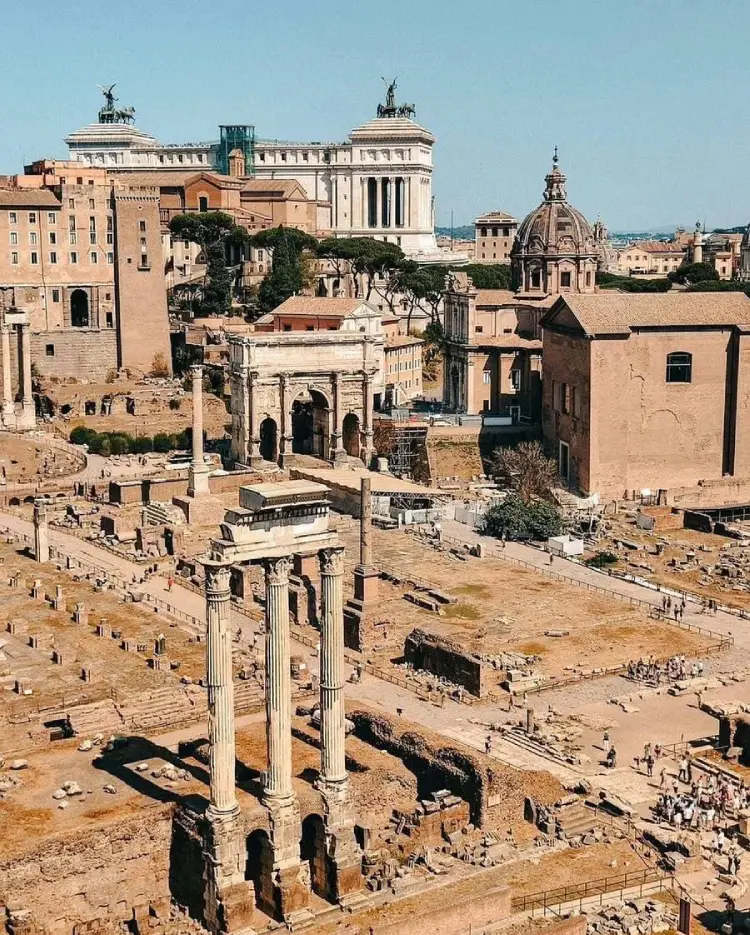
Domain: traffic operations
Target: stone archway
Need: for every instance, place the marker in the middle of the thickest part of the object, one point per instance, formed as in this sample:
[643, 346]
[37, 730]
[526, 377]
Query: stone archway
[79, 308]
[313, 850]
[259, 869]
[350, 435]
[269, 439]
[311, 428]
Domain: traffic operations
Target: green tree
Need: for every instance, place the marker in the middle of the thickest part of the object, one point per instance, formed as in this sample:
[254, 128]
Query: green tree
[488, 275]
[142, 444]
[212, 231]
[285, 278]
[162, 442]
[81, 435]
[690, 273]
[104, 446]
[526, 469]
[631, 283]
[120, 444]
[519, 520]
[369, 259]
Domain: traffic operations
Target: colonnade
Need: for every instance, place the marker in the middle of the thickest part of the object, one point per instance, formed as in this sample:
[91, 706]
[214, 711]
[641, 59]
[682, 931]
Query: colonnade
[9, 418]
[386, 202]
[284, 891]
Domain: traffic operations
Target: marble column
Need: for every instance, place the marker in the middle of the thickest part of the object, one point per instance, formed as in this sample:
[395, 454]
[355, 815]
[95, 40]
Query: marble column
[286, 438]
[368, 447]
[8, 409]
[337, 452]
[332, 755]
[27, 395]
[255, 458]
[223, 800]
[199, 470]
[343, 859]
[366, 575]
[278, 680]
[41, 532]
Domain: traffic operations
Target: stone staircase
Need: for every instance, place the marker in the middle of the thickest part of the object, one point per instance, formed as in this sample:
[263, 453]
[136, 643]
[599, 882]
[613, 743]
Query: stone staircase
[248, 696]
[163, 514]
[576, 819]
[164, 707]
[96, 717]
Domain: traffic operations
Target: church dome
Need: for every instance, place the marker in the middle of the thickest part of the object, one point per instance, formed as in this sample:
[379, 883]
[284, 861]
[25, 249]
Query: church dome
[555, 228]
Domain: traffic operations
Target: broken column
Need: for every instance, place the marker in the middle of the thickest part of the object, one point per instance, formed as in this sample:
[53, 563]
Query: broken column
[41, 532]
[80, 614]
[37, 590]
[228, 898]
[343, 858]
[359, 611]
[58, 601]
[287, 893]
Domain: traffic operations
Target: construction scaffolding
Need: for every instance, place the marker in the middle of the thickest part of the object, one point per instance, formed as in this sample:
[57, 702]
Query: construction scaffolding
[407, 449]
[236, 136]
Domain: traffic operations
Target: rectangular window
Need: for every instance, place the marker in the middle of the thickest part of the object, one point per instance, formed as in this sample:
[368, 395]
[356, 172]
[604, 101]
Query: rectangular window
[94, 257]
[72, 237]
[566, 397]
[142, 227]
[92, 223]
[49, 350]
[92, 203]
[32, 238]
[565, 280]
[53, 257]
[55, 295]
[515, 380]
[487, 376]
[71, 203]
[51, 218]
[53, 238]
[74, 257]
[14, 258]
[110, 237]
[71, 223]
[109, 320]
[563, 462]
[109, 222]
[14, 238]
[92, 237]
[110, 258]
[32, 217]
[13, 217]
[34, 257]
[143, 242]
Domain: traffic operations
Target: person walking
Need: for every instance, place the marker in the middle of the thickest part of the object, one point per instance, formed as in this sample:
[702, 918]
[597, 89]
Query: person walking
[649, 765]
[606, 742]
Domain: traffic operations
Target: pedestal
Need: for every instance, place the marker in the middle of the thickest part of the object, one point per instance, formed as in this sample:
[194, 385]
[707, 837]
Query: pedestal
[229, 899]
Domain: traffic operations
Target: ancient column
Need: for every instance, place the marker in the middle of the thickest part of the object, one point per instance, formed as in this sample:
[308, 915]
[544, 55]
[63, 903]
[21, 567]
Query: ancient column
[255, 458]
[332, 756]
[199, 470]
[368, 447]
[27, 395]
[7, 404]
[220, 689]
[41, 532]
[337, 452]
[366, 575]
[229, 901]
[284, 893]
[286, 438]
[343, 874]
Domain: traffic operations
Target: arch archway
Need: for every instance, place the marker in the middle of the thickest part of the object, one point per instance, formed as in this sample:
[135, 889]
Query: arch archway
[79, 308]
[454, 387]
[311, 417]
[313, 850]
[350, 435]
[269, 439]
[322, 290]
[259, 869]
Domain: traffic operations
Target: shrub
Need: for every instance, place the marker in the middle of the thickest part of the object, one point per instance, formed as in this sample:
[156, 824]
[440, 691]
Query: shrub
[142, 444]
[105, 446]
[175, 404]
[518, 520]
[162, 442]
[120, 444]
[159, 366]
[111, 376]
[82, 435]
[601, 559]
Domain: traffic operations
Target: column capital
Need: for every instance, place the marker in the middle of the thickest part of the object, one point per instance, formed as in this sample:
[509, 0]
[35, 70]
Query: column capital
[277, 569]
[218, 575]
[196, 370]
[332, 560]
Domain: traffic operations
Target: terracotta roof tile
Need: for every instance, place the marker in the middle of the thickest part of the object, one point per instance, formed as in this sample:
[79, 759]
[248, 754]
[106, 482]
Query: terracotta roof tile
[318, 305]
[28, 198]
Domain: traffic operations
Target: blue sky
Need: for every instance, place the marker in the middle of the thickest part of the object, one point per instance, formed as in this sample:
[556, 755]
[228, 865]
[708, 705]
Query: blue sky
[646, 99]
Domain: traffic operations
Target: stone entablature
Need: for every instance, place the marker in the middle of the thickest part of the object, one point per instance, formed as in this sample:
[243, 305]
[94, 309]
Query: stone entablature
[304, 393]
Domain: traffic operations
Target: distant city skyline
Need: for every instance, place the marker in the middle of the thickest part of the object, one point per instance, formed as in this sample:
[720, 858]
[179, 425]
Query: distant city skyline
[637, 99]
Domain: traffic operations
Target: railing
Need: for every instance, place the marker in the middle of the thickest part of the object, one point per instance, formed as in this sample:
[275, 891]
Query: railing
[604, 888]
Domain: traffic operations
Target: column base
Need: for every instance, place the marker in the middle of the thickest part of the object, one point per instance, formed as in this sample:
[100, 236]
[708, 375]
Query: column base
[366, 580]
[285, 892]
[343, 855]
[26, 418]
[198, 484]
[337, 456]
[229, 900]
[367, 455]
[206, 510]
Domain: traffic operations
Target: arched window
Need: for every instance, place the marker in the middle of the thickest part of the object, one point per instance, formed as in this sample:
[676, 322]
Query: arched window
[679, 367]
[79, 309]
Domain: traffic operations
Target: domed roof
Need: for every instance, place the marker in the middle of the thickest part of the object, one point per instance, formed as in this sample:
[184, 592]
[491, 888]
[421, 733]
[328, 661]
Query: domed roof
[555, 227]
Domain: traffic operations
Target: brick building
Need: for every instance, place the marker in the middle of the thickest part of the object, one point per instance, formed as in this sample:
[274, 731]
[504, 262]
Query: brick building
[81, 259]
[647, 392]
[492, 353]
[494, 234]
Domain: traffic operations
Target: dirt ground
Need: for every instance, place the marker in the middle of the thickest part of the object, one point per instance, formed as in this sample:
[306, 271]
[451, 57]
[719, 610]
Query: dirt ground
[502, 607]
[678, 542]
[23, 460]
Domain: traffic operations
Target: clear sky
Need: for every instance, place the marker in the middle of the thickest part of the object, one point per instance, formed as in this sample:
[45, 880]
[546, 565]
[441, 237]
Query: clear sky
[647, 99]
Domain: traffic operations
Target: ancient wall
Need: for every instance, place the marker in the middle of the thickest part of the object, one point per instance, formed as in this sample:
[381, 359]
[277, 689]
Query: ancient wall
[445, 658]
[708, 494]
[108, 873]
[78, 352]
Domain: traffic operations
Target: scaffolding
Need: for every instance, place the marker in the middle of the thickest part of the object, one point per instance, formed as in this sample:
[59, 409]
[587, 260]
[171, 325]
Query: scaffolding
[408, 448]
[236, 136]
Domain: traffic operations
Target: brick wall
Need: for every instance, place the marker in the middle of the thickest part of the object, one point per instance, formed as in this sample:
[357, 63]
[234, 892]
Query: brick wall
[77, 353]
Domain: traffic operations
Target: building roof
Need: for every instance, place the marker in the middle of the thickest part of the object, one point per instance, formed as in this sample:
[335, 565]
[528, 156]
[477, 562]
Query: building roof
[620, 313]
[402, 340]
[307, 305]
[28, 198]
[656, 246]
[261, 186]
[495, 297]
[495, 216]
[511, 341]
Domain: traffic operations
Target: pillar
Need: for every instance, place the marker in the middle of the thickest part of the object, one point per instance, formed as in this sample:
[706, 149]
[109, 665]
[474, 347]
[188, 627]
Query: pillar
[27, 395]
[255, 458]
[366, 575]
[286, 437]
[368, 447]
[343, 858]
[229, 903]
[220, 689]
[7, 403]
[41, 532]
[337, 452]
[284, 894]
[199, 470]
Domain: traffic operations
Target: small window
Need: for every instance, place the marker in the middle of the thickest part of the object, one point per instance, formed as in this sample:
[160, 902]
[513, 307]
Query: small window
[53, 238]
[287, 327]
[72, 238]
[110, 237]
[71, 203]
[202, 205]
[79, 180]
[679, 367]
[14, 258]
[536, 279]
[110, 258]
[142, 227]
[32, 217]
[14, 238]
[109, 222]
[479, 329]
[49, 350]
[32, 238]
[74, 257]
[487, 376]
[515, 379]
[53, 257]
[51, 218]
[565, 280]
[34, 258]
[13, 217]
[110, 320]
[92, 203]
[55, 295]
[92, 238]
[94, 257]
[92, 224]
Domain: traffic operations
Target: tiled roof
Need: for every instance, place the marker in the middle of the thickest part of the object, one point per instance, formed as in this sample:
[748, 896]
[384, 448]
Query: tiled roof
[318, 305]
[402, 340]
[28, 198]
[618, 313]
[495, 216]
[511, 341]
[258, 186]
[656, 246]
[495, 297]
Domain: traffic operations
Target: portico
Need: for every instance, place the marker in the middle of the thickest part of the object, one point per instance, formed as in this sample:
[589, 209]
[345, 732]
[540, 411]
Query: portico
[15, 415]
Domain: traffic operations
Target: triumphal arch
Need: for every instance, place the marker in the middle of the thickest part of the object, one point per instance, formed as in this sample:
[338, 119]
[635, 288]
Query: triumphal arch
[303, 392]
